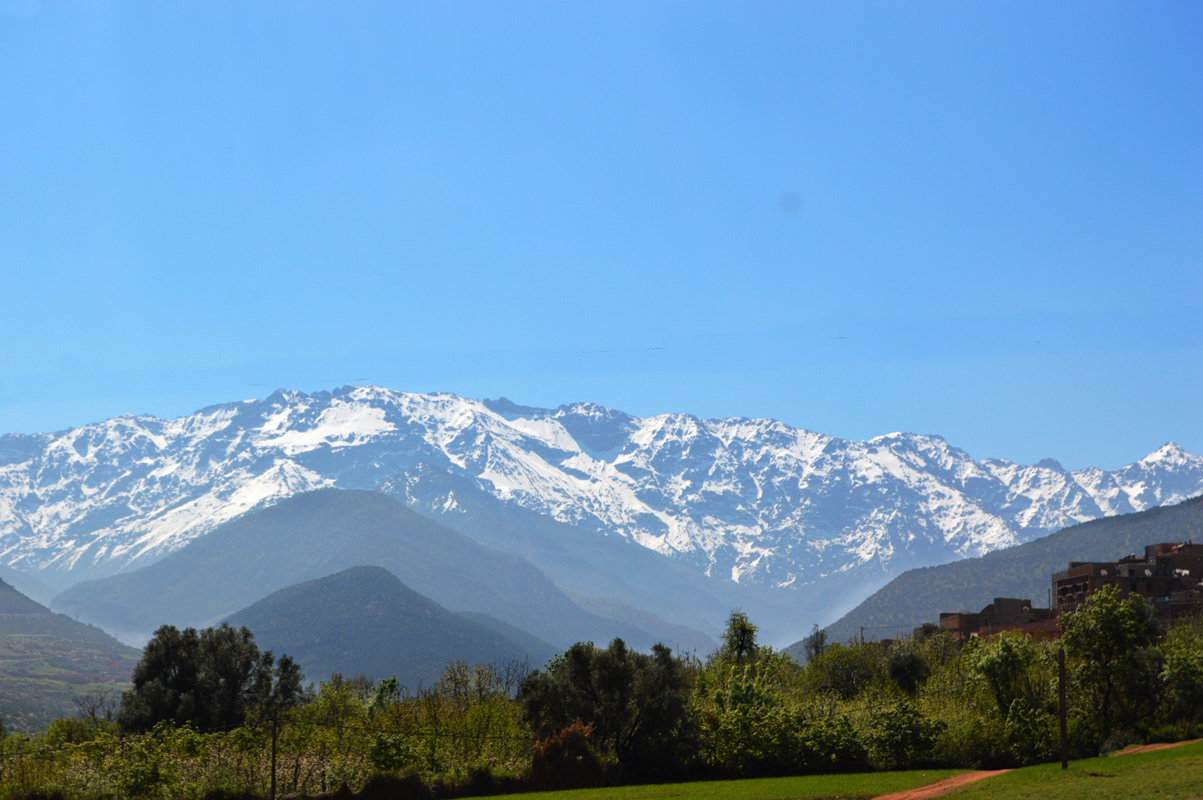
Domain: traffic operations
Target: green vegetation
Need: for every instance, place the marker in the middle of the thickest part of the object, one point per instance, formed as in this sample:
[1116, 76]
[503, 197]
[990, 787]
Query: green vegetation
[636, 707]
[612, 716]
[209, 680]
[463, 733]
[47, 660]
[919, 595]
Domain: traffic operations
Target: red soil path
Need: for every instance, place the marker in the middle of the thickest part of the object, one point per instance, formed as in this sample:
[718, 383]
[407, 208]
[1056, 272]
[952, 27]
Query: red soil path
[1144, 748]
[942, 787]
[948, 784]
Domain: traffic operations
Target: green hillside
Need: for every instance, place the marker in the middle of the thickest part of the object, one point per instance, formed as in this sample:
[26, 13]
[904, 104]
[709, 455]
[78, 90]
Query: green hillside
[365, 621]
[319, 533]
[47, 659]
[919, 595]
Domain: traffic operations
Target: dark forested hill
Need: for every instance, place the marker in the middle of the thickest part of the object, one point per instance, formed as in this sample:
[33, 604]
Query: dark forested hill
[47, 659]
[317, 534]
[919, 595]
[365, 621]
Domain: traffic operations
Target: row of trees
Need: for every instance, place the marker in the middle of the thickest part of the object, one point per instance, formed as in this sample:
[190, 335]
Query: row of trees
[196, 719]
[930, 699]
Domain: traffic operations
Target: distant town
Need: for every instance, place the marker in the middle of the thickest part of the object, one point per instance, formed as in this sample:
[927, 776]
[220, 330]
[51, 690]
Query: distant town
[1169, 576]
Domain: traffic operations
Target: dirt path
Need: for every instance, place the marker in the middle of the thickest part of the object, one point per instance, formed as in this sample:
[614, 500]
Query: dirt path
[942, 787]
[948, 784]
[1144, 748]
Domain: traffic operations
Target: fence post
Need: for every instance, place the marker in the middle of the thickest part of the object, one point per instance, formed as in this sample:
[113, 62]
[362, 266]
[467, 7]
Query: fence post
[275, 730]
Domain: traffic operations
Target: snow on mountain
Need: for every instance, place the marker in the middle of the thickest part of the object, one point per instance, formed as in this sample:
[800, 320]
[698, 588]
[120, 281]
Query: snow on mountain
[753, 501]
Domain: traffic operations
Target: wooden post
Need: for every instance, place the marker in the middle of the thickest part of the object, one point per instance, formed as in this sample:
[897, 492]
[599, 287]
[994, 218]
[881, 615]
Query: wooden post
[274, 732]
[1061, 703]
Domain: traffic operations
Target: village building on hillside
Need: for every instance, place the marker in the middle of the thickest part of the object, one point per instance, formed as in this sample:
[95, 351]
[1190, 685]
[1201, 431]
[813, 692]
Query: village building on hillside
[1004, 614]
[1169, 575]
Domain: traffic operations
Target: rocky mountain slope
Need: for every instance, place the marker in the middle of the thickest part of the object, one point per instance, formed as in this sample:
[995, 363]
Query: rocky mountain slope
[753, 502]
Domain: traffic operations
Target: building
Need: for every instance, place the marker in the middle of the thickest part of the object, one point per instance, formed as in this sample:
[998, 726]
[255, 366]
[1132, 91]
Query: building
[1169, 575]
[1004, 614]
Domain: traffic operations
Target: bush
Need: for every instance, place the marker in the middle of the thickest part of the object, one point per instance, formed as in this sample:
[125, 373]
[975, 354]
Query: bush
[1032, 736]
[906, 666]
[830, 745]
[846, 670]
[394, 787]
[566, 760]
[901, 737]
[390, 752]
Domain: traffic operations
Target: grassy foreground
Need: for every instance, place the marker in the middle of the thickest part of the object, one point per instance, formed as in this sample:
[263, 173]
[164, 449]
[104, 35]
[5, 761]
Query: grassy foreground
[1175, 773]
[845, 787]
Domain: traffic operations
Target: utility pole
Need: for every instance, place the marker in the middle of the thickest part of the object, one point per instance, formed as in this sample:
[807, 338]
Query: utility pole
[862, 634]
[1061, 703]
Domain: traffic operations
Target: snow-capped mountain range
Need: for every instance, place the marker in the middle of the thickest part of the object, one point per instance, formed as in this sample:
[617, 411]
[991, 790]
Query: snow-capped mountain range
[750, 501]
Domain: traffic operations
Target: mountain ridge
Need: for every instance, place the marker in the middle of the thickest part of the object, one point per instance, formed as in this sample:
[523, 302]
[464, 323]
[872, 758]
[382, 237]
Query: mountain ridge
[743, 502]
[315, 534]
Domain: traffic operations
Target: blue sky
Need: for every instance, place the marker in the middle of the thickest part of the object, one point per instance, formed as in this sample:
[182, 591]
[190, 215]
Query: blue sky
[978, 220]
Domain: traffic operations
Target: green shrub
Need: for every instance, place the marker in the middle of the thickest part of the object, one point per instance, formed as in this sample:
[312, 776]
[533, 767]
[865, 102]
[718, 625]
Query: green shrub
[1032, 736]
[901, 737]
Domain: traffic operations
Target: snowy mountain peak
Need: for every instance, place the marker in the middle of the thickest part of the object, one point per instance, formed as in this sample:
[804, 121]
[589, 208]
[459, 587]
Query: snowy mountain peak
[755, 501]
[1168, 453]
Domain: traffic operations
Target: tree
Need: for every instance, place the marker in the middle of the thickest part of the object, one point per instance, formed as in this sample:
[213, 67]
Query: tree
[814, 644]
[1004, 665]
[1183, 671]
[846, 670]
[907, 666]
[210, 680]
[739, 639]
[1108, 638]
[637, 703]
[96, 708]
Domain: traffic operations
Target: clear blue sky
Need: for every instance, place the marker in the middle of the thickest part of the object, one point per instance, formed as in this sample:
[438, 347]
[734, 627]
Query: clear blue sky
[978, 220]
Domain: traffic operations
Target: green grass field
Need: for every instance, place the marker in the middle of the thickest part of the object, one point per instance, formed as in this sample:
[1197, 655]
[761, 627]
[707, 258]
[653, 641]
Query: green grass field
[1175, 773]
[845, 787]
